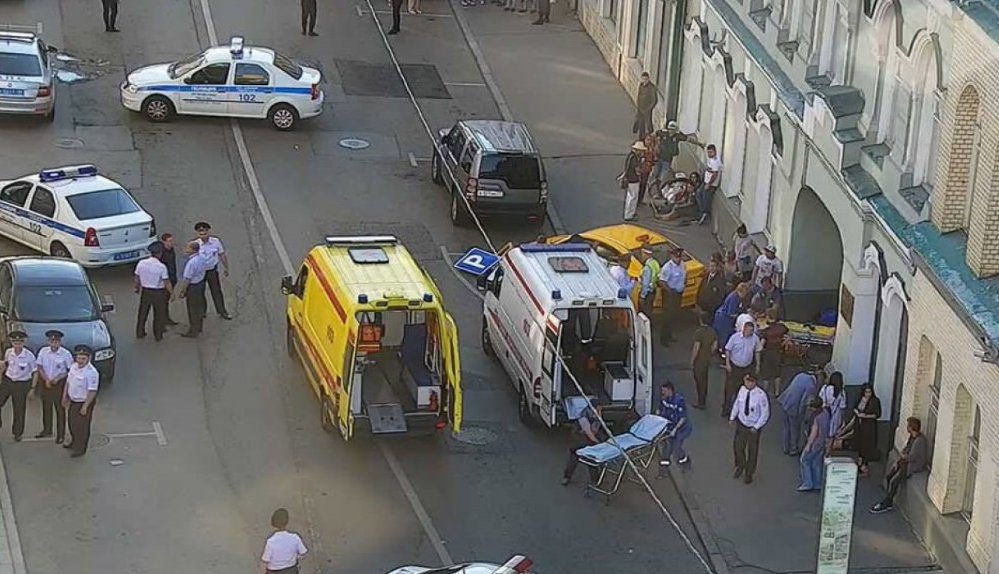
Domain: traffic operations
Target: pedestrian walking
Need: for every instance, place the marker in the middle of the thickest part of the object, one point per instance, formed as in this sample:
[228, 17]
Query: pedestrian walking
[414, 7]
[794, 402]
[867, 412]
[768, 265]
[192, 288]
[746, 253]
[811, 465]
[650, 278]
[169, 258]
[79, 398]
[283, 549]
[397, 17]
[725, 316]
[713, 289]
[673, 408]
[709, 185]
[742, 357]
[19, 371]
[911, 460]
[646, 101]
[834, 399]
[53, 365]
[214, 251]
[110, 13]
[750, 413]
[152, 283]
[770, 360]
[309, 17]
[646, 169]
[544, 12]
[673, 280]
[705, 346]
[587, 432]
[631, 178]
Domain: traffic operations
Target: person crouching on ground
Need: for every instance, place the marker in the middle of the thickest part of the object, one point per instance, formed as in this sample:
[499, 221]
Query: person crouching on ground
[588, 432]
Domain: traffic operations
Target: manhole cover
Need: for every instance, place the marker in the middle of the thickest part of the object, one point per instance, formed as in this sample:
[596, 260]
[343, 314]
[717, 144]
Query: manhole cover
[69, 143]
[476, 436]
[98, 440]
[354, 143]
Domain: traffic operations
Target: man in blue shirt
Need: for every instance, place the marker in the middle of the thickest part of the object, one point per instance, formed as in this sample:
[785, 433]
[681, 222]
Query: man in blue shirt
[794, 401]
[192, 287]
[673, 408]
[673, 279]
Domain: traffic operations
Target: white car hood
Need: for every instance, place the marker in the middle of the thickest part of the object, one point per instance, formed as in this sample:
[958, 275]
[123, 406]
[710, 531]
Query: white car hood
[150, 75]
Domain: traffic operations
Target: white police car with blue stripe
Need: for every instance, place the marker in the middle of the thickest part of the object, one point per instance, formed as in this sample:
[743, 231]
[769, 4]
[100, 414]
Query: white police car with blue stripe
[76, 213]
[230, 81]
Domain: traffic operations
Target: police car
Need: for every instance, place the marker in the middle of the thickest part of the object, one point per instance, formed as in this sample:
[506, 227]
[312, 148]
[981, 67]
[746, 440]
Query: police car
[227, 81]
[76, 213]
[27, 85]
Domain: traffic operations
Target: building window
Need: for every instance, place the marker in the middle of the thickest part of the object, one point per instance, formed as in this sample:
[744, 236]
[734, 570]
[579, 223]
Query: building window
[971, 471]
[932, 414]
[641, 29]
[901, 115]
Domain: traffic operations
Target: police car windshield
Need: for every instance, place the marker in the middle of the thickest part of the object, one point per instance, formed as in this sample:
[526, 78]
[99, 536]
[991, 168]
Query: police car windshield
[183, 67]
[288, 66]
[69, 304]
[19, 65]
[104, 203]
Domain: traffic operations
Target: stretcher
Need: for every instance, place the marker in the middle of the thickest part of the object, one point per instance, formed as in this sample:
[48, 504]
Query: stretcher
[640, 444]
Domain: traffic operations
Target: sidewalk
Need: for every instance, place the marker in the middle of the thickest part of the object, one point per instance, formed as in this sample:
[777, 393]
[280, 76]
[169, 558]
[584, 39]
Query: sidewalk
[553, 78]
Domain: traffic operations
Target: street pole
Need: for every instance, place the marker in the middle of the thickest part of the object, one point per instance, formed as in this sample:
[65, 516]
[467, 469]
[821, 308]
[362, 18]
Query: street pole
[838, 500]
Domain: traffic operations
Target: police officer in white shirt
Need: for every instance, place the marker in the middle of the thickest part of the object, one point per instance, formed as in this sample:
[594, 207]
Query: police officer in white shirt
[750, 413]
[152, 283]
[212, 248]
[283, 549]
[53, 363]
[673, 280]
[79, 397]
[192, 288]
[18, 376]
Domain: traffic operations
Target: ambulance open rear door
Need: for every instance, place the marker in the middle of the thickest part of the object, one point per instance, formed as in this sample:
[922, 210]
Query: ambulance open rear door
[643, 365]
[550, 383]
[452, 358]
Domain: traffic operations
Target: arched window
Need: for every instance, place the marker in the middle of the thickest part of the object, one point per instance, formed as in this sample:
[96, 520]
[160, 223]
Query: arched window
[887, 54]
[764, 181]
[734, 151]
[925, 126]
[693, 75]
[954, 211]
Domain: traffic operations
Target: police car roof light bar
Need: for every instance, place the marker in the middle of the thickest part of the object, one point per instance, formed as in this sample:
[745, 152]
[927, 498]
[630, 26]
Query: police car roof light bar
[236, 46]
[563, 248]
[70, 172]
[334, 240]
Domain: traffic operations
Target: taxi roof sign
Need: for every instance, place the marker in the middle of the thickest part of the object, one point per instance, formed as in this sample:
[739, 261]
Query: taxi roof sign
[236, 46]
[70, 172]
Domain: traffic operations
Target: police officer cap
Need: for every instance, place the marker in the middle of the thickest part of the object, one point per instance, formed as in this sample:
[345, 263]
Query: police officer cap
[17, 335]
[54, 334]
[202, 225]
[83, 350]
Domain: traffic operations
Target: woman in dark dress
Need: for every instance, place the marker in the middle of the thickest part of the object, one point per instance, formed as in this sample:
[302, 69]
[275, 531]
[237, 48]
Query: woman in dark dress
[867, 412]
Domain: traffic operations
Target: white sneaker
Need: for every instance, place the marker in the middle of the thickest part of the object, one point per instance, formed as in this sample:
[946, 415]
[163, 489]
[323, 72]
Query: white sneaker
[683, 460]
[663, 463]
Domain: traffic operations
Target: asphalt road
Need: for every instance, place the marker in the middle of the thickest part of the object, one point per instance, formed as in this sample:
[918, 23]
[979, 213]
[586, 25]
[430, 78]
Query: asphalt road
[241, 429]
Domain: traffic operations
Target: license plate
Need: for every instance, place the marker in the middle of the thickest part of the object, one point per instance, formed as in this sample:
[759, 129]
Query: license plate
[490, 193]
[126, 255]
[11, 92]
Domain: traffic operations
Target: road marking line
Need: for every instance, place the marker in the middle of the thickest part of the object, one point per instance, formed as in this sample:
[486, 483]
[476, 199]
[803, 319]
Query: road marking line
[10, 523]
[129, 434]
[404, 13]
[412, 160]
[160, 436]
[360, 14]
[418, 508]
[467, 84]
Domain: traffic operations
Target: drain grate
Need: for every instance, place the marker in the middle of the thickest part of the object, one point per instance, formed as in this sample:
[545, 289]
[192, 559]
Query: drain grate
[366, 79]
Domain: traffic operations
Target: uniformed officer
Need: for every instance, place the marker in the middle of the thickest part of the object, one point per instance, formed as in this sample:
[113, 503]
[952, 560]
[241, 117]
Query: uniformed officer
[79, 397]
[169, 258]
[53, 364]
[19, 372]
[192, 288]
[309, 17]
[110, 14]
[214, 251]
[152, 283]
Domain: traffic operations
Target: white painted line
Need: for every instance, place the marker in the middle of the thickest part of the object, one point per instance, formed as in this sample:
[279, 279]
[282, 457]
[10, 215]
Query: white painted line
[412, 160]
[414, 501]
[10, 523]
[423, 160]
[129, 434]
[424, 15]
[160, 436]
[467, 84]
[360, 14]
[450, 265]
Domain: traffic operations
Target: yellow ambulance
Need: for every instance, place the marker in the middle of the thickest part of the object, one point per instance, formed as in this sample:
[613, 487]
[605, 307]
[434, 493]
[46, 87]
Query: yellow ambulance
[369, 327]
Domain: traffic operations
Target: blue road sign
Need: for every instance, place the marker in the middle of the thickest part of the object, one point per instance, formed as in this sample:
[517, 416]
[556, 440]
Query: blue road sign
[476, 261]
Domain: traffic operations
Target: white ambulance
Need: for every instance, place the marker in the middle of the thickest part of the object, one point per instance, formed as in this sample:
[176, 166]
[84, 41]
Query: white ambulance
[549, 308]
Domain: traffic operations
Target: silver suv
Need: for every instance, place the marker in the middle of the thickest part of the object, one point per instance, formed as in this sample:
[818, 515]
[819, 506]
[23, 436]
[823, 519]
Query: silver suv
[494, 166]
[27, 86]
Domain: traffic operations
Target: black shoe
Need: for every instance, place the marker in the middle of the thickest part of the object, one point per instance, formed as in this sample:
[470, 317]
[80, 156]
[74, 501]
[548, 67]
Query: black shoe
[189, 335]
[77, 454]
[303, 32]
[881, 507]
[313, 34]
[226, 316]
[392, 32]
[67, 445]
[158, 338]
[17, 438]
[60, 440]
[699, 406]
[537, 22]
[43, 434]
[738, 472]
[748, 479]
[565, 480]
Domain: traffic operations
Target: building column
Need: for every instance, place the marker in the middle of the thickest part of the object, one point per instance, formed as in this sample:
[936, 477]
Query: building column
[865, 307]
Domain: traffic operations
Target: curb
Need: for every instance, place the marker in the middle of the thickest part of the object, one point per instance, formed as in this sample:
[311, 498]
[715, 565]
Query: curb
[701, 526]
[12, 561]
[497, 95]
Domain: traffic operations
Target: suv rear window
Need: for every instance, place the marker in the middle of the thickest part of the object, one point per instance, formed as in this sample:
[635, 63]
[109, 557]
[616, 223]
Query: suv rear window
[288, 66]
[105, 203]
[19, 65]
[518, 171]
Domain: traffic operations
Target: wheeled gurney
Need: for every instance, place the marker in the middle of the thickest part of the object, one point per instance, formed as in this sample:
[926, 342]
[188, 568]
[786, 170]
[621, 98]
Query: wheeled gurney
[640, 443]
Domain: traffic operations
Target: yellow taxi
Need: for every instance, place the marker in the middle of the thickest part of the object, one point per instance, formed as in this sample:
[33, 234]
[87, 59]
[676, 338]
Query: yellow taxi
[626, 239]
[369, 327]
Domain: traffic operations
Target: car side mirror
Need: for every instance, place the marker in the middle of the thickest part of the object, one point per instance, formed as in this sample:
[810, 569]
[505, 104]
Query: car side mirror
[287, 286]
[107, 307]
[52, 50]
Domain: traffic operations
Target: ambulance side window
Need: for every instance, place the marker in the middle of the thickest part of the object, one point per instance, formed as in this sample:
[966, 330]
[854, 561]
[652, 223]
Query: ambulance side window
[303, 277]
[551, 350]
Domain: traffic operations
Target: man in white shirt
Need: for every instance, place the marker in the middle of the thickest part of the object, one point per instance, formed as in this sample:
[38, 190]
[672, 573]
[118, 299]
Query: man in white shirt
[283, 549]
[619, 271]
[710, 183]
[214, 251]
[152, 283]
[673, 280]
[769, 265]
[53, 364]
[82, 383]
[18, 375]
[742, 354]
[750, 413]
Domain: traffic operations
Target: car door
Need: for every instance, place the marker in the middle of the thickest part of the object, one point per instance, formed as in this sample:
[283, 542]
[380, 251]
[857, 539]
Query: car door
[452, 372]
[13, 222]
[207, 94]
[40, 215]
[251, 91]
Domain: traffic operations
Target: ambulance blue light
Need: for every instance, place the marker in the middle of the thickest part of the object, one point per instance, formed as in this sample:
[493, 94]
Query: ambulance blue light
[73, 172]
[362, 299]
[428, 298]
[557, 295]
[622, 293]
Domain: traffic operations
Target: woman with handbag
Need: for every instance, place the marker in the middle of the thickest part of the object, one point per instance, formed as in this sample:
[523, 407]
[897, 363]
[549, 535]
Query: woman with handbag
[867, 412]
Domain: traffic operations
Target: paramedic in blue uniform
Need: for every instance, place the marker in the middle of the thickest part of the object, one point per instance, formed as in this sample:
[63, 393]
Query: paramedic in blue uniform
[18, 375]
[192, 288]
[214, 251]
[673, 408]
[587, 432]
[53, 364]
[82, 383]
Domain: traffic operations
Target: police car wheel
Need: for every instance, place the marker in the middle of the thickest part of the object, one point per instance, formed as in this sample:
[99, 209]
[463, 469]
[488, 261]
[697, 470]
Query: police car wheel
[157, 109]
[59, 250]
[459, 213]
[435, 169]
[283, 117]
